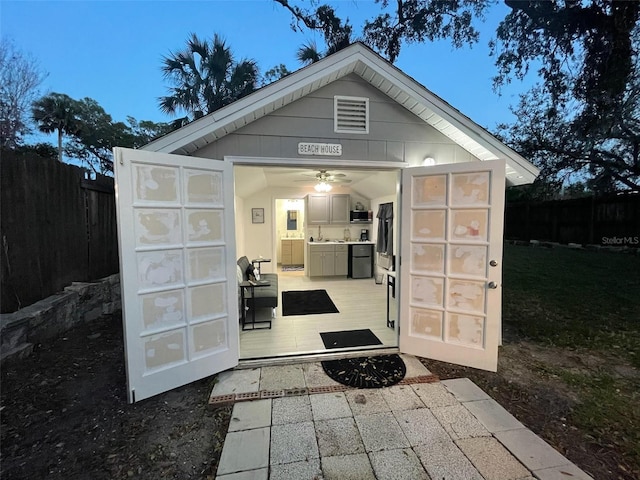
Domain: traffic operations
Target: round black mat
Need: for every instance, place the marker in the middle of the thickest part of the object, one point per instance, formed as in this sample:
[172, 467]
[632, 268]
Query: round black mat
[366, 372]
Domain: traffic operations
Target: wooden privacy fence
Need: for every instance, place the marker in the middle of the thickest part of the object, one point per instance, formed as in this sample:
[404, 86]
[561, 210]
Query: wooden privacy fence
[56, 228]
[613, 221]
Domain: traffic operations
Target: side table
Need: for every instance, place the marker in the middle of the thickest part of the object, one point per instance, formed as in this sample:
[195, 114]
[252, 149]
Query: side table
[260, 261]
[249, 287]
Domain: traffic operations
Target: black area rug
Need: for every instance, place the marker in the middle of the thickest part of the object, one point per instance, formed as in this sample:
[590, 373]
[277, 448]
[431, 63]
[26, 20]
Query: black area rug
[293, 268]
[307, 302]
[349, 338]
[366, 372]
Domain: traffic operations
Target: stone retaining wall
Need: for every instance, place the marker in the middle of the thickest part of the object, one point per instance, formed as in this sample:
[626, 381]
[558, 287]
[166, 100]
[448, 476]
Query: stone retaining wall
[49, 318]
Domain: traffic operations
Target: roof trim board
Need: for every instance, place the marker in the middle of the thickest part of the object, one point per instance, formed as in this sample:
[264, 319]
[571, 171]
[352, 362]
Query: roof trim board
[374, 69]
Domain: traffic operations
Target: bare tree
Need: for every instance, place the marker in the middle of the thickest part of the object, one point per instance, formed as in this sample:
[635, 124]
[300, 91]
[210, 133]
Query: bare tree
[20, 77]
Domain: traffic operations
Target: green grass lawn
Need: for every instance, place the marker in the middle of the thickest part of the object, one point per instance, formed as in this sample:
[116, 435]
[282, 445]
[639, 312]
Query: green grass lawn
[588, 302]
[574, 298]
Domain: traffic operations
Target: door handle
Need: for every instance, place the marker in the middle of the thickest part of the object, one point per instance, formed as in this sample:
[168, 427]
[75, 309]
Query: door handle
[492, 285]
[493, 263]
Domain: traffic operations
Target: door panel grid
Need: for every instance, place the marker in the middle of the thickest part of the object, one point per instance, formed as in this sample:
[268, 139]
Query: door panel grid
[450, 314]
[175, 262]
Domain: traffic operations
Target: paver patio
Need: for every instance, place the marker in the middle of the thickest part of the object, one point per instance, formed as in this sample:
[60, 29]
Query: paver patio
[446, 430]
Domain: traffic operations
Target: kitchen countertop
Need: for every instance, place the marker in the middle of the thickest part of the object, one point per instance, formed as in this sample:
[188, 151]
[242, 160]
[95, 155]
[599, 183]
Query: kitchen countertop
[340, 242]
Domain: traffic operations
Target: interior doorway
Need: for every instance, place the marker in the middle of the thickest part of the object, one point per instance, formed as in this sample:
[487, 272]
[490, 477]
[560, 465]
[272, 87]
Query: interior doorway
[289, 228]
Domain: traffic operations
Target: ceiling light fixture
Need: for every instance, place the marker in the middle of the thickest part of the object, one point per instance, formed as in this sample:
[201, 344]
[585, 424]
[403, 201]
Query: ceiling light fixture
[322, 186]
[428, 161]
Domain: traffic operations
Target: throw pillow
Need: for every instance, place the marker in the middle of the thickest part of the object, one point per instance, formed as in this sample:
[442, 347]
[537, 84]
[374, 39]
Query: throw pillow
[250, 274]
[239, 275]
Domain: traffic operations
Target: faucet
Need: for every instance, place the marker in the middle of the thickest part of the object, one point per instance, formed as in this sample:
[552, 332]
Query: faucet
[319, 233]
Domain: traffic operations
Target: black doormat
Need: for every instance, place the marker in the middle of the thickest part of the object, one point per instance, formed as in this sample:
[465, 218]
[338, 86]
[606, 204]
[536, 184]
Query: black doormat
[349, 338]
[367, 372]
[307, 302]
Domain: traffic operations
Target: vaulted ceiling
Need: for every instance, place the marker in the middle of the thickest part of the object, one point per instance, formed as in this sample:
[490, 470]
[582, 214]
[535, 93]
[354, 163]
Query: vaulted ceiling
[250, 179]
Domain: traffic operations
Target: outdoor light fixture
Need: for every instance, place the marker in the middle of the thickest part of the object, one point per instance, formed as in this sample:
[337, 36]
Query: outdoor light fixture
[428, 161]
[322, 187]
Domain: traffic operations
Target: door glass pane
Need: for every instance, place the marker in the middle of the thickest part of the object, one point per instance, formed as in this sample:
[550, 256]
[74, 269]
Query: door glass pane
[160, 269]
[203, 187]
[163, 309]
[204, 225]
[427, 258]
[207, 301]
[208, 337]
[164, 349]
[155, 184]
[427, 290]
[470, 189]
[428, 224]
[157, 227]
[466, 295]
[426, 323]
[429, 190]
[205, 264]
[468, 260]
[466, 329]
[470, 224]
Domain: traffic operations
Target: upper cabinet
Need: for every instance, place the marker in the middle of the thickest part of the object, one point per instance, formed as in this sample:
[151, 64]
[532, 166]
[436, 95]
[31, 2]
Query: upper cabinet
[339, 206]
[324, 209]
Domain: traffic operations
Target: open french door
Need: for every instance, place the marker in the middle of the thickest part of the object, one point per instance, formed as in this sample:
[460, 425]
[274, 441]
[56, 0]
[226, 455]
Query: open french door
[177, 268]
[451, 262]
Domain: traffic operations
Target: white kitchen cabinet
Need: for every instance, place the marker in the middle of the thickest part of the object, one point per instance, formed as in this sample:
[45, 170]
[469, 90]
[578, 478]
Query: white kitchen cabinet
[325, 209]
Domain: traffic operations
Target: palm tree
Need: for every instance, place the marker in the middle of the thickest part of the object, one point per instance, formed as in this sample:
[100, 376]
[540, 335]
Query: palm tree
[205, 77]
[308, 53]
[56, 112]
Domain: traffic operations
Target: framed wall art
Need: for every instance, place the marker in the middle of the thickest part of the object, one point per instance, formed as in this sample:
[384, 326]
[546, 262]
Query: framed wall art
[257, 215]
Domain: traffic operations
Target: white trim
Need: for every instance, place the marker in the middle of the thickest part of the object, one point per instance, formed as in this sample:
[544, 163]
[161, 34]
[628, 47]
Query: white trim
[373, 69]
[313, 162]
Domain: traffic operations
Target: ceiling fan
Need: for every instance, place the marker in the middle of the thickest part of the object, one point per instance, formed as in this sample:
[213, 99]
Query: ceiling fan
[324, 179]
[327, 177]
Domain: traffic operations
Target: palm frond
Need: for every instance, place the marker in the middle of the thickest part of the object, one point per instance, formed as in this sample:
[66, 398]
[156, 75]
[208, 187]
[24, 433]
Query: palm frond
[308, 53]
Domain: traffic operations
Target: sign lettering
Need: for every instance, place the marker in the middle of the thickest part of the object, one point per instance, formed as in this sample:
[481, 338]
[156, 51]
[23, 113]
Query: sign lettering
[328, 149]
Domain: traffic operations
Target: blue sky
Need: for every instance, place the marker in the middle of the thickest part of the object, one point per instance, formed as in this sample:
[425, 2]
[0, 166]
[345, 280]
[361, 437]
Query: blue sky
[111, 51]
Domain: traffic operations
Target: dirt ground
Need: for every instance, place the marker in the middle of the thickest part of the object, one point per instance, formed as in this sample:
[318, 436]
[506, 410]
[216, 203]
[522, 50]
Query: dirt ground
[65, 415]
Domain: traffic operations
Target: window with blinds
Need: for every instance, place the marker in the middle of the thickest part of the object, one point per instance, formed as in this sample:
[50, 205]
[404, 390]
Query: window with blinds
[351, 114]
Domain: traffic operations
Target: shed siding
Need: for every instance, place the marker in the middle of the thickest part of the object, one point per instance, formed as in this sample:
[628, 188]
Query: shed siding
[395, 134]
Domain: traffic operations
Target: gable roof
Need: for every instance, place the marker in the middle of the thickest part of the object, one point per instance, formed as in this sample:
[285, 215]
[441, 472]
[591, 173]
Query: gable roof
[358, 59]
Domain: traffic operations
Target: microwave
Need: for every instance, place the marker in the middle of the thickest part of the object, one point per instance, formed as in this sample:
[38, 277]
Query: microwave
[361, 216]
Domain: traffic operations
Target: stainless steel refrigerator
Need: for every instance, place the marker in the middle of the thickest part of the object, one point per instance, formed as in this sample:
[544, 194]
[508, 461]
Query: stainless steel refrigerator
[361, 261]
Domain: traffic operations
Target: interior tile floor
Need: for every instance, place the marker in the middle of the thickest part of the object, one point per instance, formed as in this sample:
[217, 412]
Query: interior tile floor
[362, 304]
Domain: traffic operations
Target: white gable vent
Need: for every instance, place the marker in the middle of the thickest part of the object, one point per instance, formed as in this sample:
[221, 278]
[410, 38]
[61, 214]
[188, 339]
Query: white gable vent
[351, 114]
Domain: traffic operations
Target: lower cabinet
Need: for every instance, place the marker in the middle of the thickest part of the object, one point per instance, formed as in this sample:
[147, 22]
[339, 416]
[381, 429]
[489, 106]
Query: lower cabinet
[292, 251]
[328, 260]
[342, 260]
